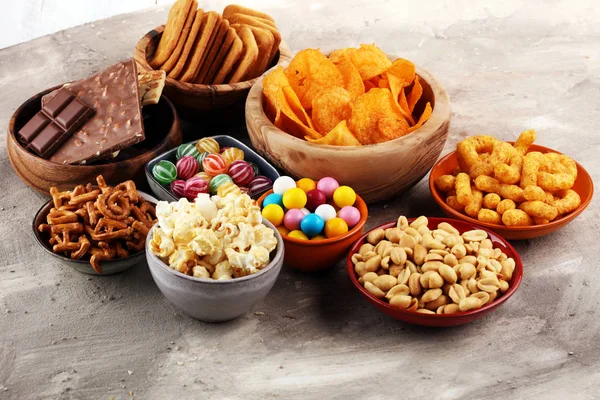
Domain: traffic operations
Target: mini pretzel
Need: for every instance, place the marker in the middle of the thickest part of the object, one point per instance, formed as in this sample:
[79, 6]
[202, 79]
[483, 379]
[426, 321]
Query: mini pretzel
[84, 246]
[121, 252]
[59, 197]
[102, 252]
[108, 229]
[137, 244]
[119, 203]
[144, 218]
[130, 191]
[84, 197]
[141, 227]
[74, 227]
[56, 217]
[102, 183]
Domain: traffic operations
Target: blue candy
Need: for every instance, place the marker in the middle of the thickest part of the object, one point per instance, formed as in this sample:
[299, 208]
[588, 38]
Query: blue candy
[273, 198]
[312, 225]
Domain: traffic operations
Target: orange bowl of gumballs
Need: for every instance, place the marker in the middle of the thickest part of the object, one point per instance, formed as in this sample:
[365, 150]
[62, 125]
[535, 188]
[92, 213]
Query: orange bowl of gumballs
[519, 190]
[318, 220]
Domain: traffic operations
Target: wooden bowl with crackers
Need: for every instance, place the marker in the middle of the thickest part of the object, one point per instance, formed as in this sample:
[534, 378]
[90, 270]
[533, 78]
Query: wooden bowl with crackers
[211, 60]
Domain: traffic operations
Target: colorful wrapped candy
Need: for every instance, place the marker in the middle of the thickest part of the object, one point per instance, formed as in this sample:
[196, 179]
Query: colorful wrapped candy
[164, 172]
[241, 172]
[208, 144]
[178, 188]
[194, 186]
[226, 188]
[187, 166]
[214, 164]
[232, 154]
[187, 149]
[259, 184]
[217, 181]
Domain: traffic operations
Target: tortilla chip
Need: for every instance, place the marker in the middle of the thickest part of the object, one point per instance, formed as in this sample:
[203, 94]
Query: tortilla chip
[340, 135]
[352, 80]
[415, 94]
[424, 117]
[330, 107]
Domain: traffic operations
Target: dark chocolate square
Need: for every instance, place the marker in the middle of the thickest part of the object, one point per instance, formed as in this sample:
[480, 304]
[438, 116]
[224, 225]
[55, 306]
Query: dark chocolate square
[58, 103]
[33, 127]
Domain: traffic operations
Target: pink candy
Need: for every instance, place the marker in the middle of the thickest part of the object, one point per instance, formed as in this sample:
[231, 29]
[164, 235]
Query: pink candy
[194, 186]
[350, 214]
[328, 185]
[292, 219]
[241, 172]
[187, 166]
[178, 188]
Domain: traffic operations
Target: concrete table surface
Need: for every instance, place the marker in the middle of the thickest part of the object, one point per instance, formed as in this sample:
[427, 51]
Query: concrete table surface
[508, 66]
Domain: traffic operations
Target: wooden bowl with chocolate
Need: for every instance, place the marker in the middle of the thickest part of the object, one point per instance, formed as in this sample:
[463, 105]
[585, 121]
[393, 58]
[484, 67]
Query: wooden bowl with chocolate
[211, 59]
[109, 124]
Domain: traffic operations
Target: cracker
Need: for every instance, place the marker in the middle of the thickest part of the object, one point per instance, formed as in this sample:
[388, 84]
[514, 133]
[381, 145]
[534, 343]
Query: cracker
[239, 18]
[247, 59]
[233, 55]
[151, 84]
[189, 44]
[172, 60]
[209, 21]
[214, 50]
[173, 30]
[264, 41]
[237, 9]
[213, 37]
[221, 54]
[251, 21]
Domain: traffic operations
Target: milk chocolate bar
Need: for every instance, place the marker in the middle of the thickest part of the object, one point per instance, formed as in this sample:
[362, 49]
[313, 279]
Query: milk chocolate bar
[58, 119]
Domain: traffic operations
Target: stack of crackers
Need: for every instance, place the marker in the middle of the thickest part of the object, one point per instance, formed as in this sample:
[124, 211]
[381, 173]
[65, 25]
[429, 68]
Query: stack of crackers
[209, 48]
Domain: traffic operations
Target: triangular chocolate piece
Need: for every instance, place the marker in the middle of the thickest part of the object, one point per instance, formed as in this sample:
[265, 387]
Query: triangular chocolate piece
[117, 124]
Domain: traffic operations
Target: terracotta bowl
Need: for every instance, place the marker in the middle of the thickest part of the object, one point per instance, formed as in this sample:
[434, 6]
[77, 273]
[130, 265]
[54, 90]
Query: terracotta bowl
[441, 320]
[584, 186]
[191, 98]
[377, 172]
[163, 132]
[314, 255]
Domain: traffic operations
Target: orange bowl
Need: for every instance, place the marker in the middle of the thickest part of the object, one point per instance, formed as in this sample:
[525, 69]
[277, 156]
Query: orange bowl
[584, 186]
[441, 320]
[314, 255]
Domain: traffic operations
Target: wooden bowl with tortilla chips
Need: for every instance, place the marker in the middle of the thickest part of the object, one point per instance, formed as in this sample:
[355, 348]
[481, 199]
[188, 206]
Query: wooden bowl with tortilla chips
[378, 154]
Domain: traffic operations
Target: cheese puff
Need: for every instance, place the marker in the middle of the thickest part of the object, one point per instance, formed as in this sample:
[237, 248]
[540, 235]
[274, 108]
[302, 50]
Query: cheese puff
[472, 209]
[540, 221]
[469, 150]
[491, 216]
[445, 183]
[493, 185]
[555, 182]
[567, 201]
[505, 205]
[453, 203]
[491, 201]
[516, 217]
[509, 172]
[561, 163]
[549, 198]
[463, 189]
[502, 153]
[539, 209]
[512, 192]
[532, 192]
[524, 141]
[531, 165]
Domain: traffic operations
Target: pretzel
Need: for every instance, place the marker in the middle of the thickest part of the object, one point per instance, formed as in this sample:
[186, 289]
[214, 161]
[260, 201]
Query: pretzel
[137, 244]
[84, 197]
[91, 212]
[84, 245]
[130, 190]
[102, 252]
[113, 205]
[102, 183]
[60, 217]
[58, 197]
[121, 252]
[140, 227]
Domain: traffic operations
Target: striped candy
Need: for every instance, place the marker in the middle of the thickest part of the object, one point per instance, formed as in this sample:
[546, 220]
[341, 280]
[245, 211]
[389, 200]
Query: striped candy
[201, 157]
[187, 149]
[218, 181]
[178, 188]
[194, 186]
[228, 187]
[208, 144]
[187, 166]
[164, 172]
[214, 164]
[241, 172]
[204, 176]
[259, 184]
[232, 154]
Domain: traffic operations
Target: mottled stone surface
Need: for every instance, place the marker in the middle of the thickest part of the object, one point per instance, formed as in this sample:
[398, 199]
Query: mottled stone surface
[507, 66]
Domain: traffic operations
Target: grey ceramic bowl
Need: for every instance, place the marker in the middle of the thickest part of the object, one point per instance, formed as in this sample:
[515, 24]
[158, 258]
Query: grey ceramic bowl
[109, 267]
[212, 300]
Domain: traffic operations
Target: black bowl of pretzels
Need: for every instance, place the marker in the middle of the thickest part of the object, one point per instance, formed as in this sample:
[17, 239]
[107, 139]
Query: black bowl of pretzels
[96, 229]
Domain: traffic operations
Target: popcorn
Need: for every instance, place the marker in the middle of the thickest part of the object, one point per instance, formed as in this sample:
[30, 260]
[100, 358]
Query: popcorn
[213, 237]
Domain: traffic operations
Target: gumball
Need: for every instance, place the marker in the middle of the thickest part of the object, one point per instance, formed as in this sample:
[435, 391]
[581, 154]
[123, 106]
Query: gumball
[335, 227]
[232, 154]
[187, 166]
[178, 188]
[344, 196]
[204, 176]
[218, 181]
[273, 213]
[350, 214]
[259, 184]
[312, 224]
[328, 185]
[194, 186]
[164, 172]
[282, 184]
[208, 144]
[240, 171]
[214, 164]
[187, 149]
[292, 219]
[273, 198]
[314, 198]
[305, 211]
[283, 231]
[255, 168]
[297, 235]
[294, 198]
[326, 212]
[201, 157]
[227, 188]
[306, 184]
[318, 237]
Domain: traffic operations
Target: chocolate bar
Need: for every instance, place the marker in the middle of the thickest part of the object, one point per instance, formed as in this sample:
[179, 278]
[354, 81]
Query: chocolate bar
[117, 123]
[55, 123]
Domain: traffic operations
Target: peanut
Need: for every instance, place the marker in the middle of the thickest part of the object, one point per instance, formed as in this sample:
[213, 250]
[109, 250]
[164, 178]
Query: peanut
[404, 276]
[397, 290]
[469, 303]
[401, 301]
[375, 236]
[431, 295]
[419, 254]
[374, 290]
[447, 273]
[414, 283]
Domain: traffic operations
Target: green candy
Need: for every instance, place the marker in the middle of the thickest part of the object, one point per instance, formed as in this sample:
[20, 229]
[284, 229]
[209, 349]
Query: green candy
[200, 158]
[164, 172]
[218, 181]
[187, 150]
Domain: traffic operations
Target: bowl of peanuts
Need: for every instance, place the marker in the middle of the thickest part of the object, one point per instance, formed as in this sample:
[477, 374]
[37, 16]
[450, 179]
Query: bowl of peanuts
[434, 271]
[519, 190]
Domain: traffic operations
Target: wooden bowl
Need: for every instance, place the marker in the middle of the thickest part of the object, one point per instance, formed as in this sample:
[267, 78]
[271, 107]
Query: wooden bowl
[314, 255]
[190, 98]
[441, 320]
[377, 172]
[584, 186]
[163, 131]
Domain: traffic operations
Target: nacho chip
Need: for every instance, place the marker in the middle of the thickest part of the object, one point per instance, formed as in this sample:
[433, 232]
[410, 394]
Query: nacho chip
[392, 128]
[352, 80]
[331, 106]
[367, 110]
[340, 135]
[403, 69]
[310, 72]
[424, 117]
[415, 94]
